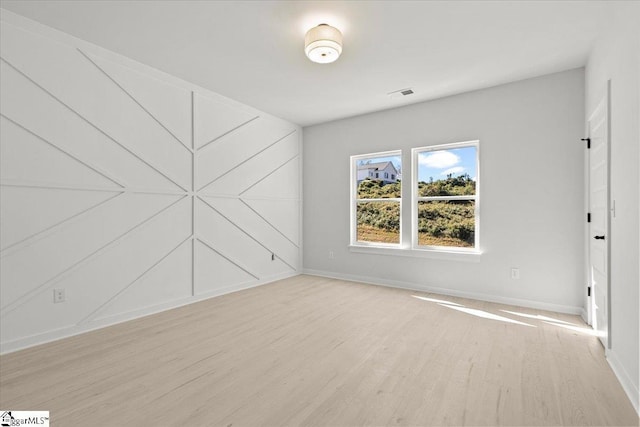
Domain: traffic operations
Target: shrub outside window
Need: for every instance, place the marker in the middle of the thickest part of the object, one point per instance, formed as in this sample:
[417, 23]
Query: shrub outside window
[375, 201]
[446, 195]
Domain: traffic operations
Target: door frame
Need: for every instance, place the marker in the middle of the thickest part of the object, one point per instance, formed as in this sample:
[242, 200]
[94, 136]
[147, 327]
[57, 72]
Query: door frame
[604, 102]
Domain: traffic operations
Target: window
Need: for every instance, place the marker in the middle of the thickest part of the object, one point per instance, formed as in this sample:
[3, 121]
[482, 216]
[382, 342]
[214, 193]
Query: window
[444, 203]
[445, 189]
[375, 203]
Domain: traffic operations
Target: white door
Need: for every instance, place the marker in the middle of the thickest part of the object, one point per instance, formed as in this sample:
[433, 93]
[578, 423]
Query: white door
[599, 225]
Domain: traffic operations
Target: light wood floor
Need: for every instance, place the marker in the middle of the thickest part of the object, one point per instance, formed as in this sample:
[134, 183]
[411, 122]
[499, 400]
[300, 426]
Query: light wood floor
[318, 352]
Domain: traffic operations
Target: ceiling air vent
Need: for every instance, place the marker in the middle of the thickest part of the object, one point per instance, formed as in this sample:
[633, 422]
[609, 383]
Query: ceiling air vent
[400, 93]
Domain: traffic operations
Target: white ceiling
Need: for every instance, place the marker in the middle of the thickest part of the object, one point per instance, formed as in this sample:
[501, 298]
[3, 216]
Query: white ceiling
[252, 51]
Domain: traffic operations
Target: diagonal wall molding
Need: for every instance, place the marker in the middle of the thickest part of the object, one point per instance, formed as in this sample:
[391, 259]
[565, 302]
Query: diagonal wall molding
[138, 103]
[69, 269]
[227, 133]
[32, 238]
[124, 147]
[96, 312]
[269, 174]
[247, 233]
[74, 157]
[246, 160]
[276, 229]
[157, 232]
[236, 263]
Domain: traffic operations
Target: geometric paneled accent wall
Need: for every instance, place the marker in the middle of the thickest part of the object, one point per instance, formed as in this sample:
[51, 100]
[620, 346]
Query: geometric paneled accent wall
[131, 192]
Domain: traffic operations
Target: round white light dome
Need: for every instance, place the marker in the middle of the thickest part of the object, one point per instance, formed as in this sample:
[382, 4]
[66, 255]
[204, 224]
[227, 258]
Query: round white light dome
[323, 44]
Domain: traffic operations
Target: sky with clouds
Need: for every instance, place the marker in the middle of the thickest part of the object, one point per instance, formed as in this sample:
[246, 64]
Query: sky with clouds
[438, 164]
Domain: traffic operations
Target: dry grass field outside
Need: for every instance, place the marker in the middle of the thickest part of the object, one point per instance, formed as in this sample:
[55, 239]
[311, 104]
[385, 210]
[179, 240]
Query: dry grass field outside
[425, 239]
[367, 233]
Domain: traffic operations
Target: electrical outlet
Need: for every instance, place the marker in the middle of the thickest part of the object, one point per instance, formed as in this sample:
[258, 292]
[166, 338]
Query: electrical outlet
[515, 273]
[331, 255]
[58, 295]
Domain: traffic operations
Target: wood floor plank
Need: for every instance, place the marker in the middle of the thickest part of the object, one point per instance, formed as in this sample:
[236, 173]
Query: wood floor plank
[314, 351]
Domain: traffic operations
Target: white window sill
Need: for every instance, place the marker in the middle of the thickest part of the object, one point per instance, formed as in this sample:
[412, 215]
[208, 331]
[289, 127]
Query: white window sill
[448, 255]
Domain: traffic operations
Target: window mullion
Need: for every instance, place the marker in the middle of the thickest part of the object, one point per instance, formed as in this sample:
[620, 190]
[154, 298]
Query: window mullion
[380, 200]
[445, 198]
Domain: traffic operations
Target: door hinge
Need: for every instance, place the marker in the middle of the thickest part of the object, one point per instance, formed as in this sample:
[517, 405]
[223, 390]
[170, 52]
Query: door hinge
[588, 142]
[588, 291]
[588, 216]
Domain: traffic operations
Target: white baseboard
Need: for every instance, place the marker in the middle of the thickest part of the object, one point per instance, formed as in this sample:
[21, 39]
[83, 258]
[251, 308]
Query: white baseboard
[558, 308]
[583, 314]
[628, 384]
[49, 336]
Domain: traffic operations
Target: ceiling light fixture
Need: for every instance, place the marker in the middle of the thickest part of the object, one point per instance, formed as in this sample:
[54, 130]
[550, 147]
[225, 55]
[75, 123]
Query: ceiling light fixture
[323, 44]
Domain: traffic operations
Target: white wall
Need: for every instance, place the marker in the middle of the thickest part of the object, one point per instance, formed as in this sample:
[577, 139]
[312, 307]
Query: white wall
[616, 57]
[531, 167]
[130, 189]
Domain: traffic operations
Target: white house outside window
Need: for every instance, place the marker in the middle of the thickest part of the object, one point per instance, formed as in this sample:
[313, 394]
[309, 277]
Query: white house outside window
[376, 202]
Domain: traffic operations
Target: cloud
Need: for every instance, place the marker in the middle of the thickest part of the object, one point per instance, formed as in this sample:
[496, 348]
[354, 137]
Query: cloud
[440, 159]
[454, 170]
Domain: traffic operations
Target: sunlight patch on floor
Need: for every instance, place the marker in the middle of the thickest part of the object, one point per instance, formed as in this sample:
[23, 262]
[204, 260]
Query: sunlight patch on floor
[439, 301]
[586, 331]
[537, 317]
[486, 315]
